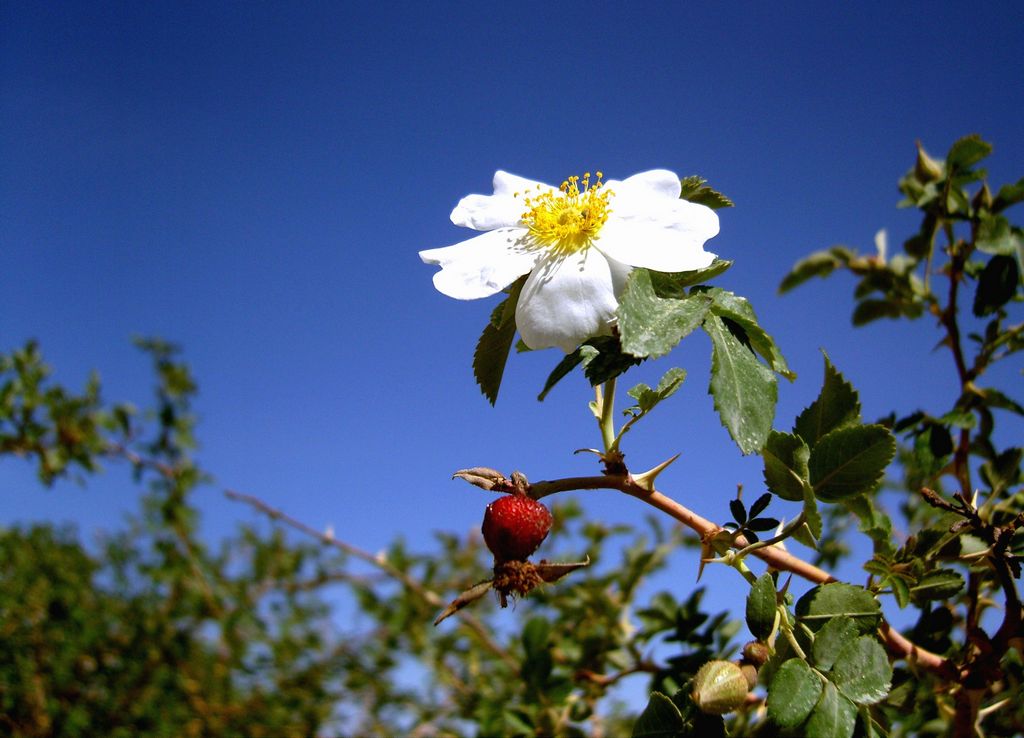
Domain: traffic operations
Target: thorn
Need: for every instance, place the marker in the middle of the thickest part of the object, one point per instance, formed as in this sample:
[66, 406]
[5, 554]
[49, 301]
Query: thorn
[646, 479]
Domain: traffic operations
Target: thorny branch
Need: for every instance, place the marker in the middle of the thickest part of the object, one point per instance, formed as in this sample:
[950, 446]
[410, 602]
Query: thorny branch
[775, 557]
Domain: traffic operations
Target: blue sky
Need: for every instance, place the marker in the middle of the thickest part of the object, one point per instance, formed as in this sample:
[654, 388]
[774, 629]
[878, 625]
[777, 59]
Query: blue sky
[254, 180]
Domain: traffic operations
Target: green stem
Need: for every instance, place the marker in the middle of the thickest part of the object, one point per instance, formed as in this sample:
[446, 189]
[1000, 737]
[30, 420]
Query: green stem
[607, 419]
[785, 533]
[787, 630]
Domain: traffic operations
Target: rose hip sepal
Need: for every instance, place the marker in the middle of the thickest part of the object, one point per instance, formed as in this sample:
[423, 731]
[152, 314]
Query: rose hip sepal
[512, 578]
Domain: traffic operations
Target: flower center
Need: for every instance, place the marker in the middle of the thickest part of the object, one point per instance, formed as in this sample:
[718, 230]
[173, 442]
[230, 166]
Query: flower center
[570, 219]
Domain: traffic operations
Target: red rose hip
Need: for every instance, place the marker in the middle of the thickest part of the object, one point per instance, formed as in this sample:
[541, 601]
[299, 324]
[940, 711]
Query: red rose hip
[514, 526]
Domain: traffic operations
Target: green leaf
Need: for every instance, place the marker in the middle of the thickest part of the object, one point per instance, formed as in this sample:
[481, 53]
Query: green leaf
[862, 671]
[495, 342]
[940, 584]
[647, 399]
[812, 518]
[966, 152]
[831, 639]
[818, 264]
[996, 236]
[538, 664]
[1003, 471]
[1009, 194]
[695, 190]
[738, 309]
[566, 365]
[827, 601]
[850, 461]
[603, 359]
[761, 607]
[652, 326]
[745, 391]
[660, 719]
[794, 692]
[837, 406]
[995, 398]
[674, 284]
[997, 284]
[833, 717]
[872, 522]
[871, 310]
[872, 729]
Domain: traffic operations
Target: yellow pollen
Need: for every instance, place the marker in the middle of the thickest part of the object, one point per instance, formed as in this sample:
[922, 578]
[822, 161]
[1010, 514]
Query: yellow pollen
[570, 219]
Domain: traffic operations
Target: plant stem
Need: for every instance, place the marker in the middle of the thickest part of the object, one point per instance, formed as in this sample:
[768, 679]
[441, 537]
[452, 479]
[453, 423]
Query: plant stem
[774, 556]
[607, 419]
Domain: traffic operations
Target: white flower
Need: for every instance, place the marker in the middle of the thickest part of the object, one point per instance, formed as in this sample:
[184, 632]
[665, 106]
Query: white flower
[578, 243]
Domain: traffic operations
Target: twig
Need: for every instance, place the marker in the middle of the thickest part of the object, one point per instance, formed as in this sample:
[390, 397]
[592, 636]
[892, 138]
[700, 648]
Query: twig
[432, 598]
[774, 556]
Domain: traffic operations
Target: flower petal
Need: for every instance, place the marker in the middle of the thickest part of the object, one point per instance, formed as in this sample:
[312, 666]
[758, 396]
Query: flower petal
[566, 300]
[644, 191]
[481, 266]
[669, 240]
[500, 210]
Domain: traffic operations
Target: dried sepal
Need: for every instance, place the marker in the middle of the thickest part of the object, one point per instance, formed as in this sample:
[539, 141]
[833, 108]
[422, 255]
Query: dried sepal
[484, 478]
[471, 595]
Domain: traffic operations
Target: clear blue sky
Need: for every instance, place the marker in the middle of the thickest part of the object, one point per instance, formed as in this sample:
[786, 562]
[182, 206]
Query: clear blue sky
[254, 180]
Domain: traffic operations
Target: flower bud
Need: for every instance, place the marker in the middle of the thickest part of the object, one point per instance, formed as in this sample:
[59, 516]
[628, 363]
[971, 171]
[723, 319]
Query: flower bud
[719, 687]
[982, 200]
[756, 654]
[927, 169]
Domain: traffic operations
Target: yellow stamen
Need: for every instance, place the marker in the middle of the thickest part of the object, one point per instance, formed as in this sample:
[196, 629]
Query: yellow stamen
[570, 219]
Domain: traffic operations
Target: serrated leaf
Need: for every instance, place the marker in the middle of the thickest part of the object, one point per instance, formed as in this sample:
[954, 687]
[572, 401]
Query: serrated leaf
[761, 607]
[831, 639]
[647, 399]
[745, 391]
[652, 326]
[833, 717]
[695, 189]
[940, 584]
[660, 719]
[997, 284]
[739, 310]
[492, 349]
[900, 590]
[966, 152]
[836, 406]
[674, 284]
[850, 461]
[827, 601]
[785, 465]
[862, 671]
[794, 692]
[566, 365]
